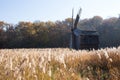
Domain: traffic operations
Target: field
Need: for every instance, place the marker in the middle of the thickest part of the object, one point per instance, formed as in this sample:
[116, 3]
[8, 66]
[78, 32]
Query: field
[59, 64]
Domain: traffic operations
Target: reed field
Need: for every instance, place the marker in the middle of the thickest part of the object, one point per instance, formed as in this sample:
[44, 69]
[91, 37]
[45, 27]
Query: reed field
[60, 64]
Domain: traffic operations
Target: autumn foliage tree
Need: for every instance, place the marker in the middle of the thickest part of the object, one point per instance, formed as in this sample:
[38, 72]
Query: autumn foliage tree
[50, 34]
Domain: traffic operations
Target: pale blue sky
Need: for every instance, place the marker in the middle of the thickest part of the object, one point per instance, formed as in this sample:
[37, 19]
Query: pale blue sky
[13, 11]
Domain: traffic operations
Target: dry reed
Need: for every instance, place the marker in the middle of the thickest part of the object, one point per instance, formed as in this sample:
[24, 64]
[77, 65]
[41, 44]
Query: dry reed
[59, 64]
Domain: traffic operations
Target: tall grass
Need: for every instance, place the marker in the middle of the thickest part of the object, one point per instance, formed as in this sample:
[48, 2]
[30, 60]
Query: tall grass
[59, 64]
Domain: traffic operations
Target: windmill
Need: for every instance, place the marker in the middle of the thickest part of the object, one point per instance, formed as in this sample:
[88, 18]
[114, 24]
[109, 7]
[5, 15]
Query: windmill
[73, 27]
[83, 37]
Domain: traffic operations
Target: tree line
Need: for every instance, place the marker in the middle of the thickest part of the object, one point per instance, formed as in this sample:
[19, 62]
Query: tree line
[50, 34]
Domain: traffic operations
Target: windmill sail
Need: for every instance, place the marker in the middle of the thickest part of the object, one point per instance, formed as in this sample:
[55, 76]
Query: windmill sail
[74, 26]
[77, 18]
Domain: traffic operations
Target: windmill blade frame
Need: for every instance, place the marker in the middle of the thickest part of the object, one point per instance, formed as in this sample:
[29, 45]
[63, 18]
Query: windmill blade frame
[77, 18]
[73, 27]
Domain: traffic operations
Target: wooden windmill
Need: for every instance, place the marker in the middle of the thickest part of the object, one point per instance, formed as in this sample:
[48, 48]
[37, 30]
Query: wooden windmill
[83, 37]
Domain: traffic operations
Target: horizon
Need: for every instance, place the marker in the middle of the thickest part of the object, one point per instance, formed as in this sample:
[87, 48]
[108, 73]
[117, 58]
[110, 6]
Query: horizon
[36, 10]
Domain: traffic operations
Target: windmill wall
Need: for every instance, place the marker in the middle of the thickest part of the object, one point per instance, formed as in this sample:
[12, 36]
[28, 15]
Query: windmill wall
[86, 39]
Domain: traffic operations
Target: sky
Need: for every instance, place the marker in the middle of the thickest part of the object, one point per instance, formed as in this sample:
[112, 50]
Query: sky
[14, 11]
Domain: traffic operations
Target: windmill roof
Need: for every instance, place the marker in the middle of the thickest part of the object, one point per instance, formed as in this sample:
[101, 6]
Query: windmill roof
[78, 32]
[86, 28]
